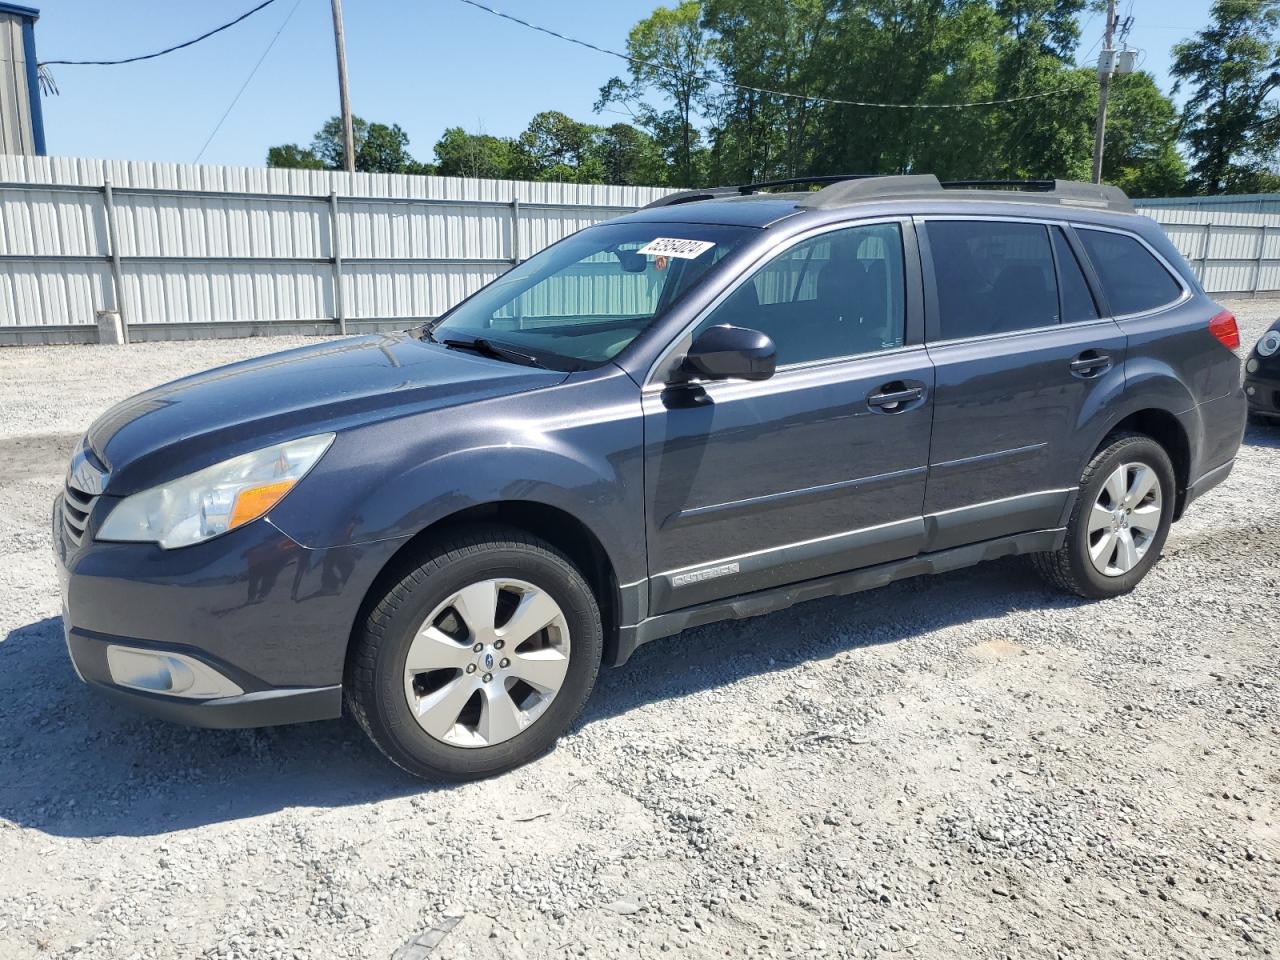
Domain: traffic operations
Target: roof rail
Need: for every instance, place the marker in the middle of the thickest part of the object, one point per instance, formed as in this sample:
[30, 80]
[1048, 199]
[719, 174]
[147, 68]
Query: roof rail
[1063, 192]
[844, 189]
[711, 193]
[1069, 192]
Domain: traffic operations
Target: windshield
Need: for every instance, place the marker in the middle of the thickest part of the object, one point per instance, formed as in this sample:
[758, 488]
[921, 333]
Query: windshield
[579, 303]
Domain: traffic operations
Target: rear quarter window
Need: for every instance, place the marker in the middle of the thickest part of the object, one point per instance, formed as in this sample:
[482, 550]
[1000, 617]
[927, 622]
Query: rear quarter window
[1133, 280]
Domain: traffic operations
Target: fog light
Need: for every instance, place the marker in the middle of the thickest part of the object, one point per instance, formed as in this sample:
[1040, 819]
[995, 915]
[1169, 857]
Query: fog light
[174, 674]
[1250, 391]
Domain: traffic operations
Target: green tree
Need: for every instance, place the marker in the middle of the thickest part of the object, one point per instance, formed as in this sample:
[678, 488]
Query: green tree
[557, 147]
[327, 143]
[627, 155]
[384, 149]
[1141, 155]
[766, 45]
[379, 149]
[1231, 67]
[463, 154]
[671, 55]
[293, 156]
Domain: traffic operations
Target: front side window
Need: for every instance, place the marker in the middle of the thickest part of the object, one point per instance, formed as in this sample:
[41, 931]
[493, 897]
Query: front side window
[1132, 279]
[838, 294]
[581, 302]
[992, 277]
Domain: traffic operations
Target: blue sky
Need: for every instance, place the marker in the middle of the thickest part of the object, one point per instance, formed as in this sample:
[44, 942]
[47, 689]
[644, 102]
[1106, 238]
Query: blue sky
[425, 64]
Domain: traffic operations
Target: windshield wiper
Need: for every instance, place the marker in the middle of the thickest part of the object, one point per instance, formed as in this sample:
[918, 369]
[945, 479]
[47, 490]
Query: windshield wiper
[490, 349]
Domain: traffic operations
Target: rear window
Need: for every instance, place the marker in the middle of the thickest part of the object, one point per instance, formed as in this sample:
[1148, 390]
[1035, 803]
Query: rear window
[1133, 280]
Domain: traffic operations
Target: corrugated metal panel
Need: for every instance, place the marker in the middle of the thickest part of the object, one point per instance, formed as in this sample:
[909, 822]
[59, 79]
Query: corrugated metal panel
[31, 293]
[411, 291]
[15, 106]
[194, 254]
[1232, 243]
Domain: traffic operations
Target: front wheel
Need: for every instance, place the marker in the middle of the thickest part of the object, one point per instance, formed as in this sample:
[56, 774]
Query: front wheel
[1119, 523]
[479, 659]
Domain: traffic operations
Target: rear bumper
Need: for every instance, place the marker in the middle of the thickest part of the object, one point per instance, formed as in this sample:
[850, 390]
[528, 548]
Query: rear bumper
[1208, 481]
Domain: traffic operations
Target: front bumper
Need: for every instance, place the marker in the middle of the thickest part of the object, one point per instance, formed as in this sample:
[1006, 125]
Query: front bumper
[271, 616]
[259, 708]
[1263, 392]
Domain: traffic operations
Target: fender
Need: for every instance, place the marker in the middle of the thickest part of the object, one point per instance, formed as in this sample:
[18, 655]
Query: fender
[525, 447]
[1149, 385]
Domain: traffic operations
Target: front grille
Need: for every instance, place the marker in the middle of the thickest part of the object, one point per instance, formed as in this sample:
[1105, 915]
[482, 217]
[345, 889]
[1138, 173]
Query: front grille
[76, 505]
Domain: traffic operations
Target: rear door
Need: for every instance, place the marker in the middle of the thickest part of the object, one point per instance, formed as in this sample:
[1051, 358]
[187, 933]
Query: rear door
[1023, 357]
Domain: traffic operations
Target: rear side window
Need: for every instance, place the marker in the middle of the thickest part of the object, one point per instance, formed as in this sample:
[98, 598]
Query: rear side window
[1133, 280]
[1077, 301]
[992, 277]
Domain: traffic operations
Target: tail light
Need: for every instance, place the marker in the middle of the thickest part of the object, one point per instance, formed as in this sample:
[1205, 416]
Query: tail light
[1223, 326]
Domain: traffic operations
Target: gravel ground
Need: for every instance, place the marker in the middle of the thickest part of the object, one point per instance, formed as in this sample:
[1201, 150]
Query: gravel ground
[962, 766]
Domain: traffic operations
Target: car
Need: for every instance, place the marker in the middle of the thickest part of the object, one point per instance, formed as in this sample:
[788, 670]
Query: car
[1262, 377]
[723, 404]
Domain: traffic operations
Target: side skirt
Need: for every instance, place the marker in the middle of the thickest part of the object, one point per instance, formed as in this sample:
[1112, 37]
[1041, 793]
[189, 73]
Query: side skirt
[854, 581]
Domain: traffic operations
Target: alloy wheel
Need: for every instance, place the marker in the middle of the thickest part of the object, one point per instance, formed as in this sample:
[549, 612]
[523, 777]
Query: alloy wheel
[1124, 519]
[487, 662]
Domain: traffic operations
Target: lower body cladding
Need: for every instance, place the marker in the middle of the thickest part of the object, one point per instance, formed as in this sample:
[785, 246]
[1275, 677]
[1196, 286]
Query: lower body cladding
[248, 629]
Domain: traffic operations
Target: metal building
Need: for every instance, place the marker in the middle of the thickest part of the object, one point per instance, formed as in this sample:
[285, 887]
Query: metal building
[21, 121]
[1232, 242]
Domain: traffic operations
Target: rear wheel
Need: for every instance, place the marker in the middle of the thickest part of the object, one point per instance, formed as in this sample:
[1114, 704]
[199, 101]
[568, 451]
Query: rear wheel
[479, 659]
[1119, 523]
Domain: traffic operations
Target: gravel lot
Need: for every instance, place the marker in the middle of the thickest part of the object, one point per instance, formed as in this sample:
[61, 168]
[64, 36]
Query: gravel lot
[964, 766]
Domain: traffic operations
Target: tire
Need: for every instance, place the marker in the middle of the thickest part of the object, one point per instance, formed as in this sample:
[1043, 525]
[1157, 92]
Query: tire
[525, 576]
[1075, 567]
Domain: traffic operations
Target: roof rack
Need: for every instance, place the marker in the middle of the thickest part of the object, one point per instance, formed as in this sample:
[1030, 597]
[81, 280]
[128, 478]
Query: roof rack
[843, 189]
[1062, 192]
[712, 193]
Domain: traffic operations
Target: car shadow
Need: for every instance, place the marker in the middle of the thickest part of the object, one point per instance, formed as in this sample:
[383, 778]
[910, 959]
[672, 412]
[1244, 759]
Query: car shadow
[1263, 433]
[72, 764]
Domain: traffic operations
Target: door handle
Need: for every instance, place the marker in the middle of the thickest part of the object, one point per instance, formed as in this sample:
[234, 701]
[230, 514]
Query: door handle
[893, 397]
[1091, 363]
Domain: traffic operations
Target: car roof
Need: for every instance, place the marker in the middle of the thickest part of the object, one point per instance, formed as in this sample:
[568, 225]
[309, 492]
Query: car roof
[855, 197]
[752, 210]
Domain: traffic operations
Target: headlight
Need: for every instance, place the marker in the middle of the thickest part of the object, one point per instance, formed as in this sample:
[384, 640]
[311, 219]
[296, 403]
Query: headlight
[1269, 343]
[214, 500]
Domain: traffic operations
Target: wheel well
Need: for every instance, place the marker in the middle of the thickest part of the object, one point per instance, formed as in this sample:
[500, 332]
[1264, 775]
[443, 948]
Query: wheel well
[562, 530]
[1164, 428]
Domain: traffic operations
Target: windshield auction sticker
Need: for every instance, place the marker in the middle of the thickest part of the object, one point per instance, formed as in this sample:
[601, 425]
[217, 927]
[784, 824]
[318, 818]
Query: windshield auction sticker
[673, 247]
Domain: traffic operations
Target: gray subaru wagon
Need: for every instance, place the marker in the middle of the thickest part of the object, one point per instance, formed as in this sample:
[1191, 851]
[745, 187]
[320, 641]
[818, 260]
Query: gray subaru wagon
[723, 404]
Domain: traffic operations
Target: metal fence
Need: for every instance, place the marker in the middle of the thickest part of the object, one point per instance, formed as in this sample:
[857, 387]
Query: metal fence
[185, 251]
[196, 251]
[1232, 243]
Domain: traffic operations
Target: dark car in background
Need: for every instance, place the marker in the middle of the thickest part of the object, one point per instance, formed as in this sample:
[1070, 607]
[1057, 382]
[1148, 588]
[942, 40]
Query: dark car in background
[716, 407]
[1262, 377]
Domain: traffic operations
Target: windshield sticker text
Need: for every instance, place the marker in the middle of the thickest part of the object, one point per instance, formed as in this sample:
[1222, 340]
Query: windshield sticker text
[674, 247]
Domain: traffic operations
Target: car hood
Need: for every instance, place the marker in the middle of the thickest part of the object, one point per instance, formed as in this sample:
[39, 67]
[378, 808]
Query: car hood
[200, 420]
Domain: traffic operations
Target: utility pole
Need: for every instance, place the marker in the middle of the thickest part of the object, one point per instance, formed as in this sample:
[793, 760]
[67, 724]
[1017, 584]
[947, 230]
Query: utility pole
[1106, 67]
[348, 137]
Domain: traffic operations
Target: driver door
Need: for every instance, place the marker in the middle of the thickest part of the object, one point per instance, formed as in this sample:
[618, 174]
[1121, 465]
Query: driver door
[816, 470]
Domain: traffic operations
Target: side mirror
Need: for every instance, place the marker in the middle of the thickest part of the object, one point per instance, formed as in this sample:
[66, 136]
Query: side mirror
[730, 353]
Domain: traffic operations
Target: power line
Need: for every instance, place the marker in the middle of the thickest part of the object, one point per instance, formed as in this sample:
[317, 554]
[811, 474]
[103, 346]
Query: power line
[159, 53]
[742, 86]
[236, 99]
